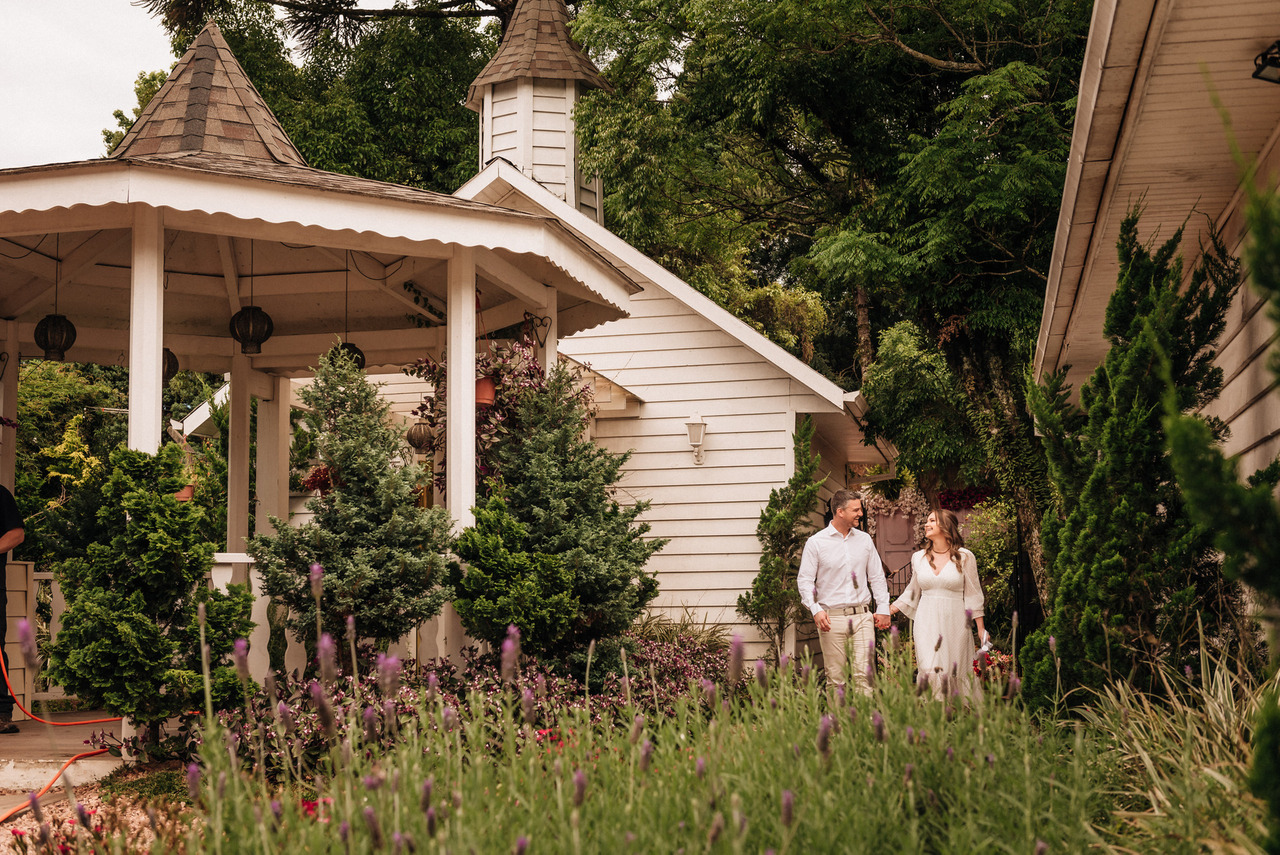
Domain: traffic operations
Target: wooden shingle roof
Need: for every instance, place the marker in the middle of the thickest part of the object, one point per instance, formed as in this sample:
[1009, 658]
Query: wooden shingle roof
[208, 105]
[537, 45]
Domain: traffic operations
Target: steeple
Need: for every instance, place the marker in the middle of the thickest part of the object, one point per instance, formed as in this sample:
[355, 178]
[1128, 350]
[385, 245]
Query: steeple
[526, 96]
[208, 105]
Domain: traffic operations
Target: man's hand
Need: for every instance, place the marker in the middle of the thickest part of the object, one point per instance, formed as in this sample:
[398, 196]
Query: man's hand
[823, 622]
[882, 621]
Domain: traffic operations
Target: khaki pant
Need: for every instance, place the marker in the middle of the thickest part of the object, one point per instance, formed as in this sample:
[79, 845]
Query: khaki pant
[854, 634]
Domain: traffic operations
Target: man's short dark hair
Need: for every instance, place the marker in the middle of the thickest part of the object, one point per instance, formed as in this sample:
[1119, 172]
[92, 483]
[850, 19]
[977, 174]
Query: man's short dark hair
[844, 497]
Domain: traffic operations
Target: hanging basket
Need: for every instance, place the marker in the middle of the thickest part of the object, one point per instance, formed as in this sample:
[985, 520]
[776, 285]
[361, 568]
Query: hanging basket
[186, 494]
[486, 392]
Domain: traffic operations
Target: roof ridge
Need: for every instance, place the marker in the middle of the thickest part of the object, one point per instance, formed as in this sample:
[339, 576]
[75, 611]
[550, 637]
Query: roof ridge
[537, 45]
[209, 104]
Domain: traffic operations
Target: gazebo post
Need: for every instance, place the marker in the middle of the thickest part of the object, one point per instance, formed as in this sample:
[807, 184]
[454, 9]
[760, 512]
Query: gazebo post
[146, 330]
[272, 476]
[9, 406]
[238, 456]
[460, 426]
[550, 352]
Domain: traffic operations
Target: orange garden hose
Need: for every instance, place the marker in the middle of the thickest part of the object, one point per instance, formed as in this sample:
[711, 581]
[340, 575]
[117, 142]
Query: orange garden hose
[14, 811]
[35, 717]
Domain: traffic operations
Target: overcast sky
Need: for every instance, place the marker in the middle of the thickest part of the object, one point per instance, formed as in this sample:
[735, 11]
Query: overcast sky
[65, 65]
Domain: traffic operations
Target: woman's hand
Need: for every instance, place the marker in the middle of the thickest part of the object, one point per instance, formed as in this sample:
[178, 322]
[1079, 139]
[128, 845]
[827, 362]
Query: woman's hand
[894, 610]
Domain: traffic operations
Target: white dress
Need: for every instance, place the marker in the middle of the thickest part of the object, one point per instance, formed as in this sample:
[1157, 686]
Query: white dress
[937, 601]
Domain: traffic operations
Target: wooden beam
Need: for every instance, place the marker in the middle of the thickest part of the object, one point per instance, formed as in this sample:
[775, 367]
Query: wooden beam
[226, 252]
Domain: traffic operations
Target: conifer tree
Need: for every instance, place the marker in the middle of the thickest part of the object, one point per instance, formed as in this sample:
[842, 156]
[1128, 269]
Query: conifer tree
[561, 488]
[1132, 570]
[773, 603]
[382, 554]
[130, 636]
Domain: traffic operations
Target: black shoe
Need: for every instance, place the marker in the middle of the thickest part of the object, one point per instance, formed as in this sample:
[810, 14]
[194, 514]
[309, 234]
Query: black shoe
[8, 727]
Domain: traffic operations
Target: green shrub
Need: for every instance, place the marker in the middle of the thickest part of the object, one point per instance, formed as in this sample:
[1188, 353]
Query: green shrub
[992, 536]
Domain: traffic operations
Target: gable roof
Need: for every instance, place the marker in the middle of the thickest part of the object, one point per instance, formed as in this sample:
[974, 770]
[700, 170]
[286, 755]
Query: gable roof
[208, 105]
[537, 45]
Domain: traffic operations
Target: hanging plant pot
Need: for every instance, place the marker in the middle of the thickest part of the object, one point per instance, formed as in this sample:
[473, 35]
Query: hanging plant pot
[486, 392]
[186, 494]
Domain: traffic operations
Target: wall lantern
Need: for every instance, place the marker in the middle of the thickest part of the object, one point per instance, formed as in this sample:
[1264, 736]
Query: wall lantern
[419, 436]
[697, 433]
[54, 335]
[169, 367]
[1266, 65]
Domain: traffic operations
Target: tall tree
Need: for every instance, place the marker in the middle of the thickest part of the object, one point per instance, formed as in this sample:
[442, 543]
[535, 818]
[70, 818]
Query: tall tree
[1134, 571]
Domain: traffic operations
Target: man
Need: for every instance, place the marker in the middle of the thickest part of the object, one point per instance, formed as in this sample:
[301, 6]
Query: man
[840, 570]
[11, 534]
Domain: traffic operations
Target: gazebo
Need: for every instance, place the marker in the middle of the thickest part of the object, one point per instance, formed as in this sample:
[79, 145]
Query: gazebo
[207, 210]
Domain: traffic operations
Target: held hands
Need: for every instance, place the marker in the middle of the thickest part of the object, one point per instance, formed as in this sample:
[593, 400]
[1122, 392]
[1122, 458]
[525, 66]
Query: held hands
[882, 621]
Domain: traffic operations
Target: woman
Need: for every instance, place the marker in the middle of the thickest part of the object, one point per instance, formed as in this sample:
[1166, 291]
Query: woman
[944, 586]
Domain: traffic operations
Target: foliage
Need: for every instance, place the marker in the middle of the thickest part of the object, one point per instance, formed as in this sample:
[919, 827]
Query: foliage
[505, 585]
[145, 86]
[382, 554]
[130, 640]
[1244, 517]
[915, 401]
[515, 371]
[991, 534]
[773, 601]
[1134, 572]
[743, 768]
[553, 527]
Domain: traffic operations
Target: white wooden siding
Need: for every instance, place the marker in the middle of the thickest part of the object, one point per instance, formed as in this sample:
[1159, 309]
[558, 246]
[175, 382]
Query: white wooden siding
[677, 363]
[505, 135]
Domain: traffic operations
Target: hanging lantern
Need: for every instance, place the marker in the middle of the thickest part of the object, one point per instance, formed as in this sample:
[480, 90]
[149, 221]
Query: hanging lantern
[54, 335]
[353, 353]
[170, 369]
[419, 436]
[251, 327]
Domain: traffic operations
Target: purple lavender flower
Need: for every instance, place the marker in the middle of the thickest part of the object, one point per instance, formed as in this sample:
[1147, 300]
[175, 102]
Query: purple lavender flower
[906, 773]
[526, 706]
[389, 674]
[540, 686]
[1053, 646]
[911, 735]
[324, 710]
[34, 801]
[370, 724]
[951, 753]
[374, 781]
[735, 660]
[317, 583]
[637, 728]
[431, 822]
[991, 761]
[344, 830]
[895, 638]
[375, 829]
[840, 696]
[433, 686]
[762, 675]
[788, 808]
[427, 786]
[853, 715]
[193, 781]
[449, 719]
[579, 787]
[522, 845]
[877, 724]
[717, 827]
[824, 736]
[240, 655]
[922, 683]
[1041, 847]
[510, 654]
[700, 768]
[805, 670]
[709, 693]
[351, 628]
[277, 809]
[27, 639]
[327, 653]
[646, 754]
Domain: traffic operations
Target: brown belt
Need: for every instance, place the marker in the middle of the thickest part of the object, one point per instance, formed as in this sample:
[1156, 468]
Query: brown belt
[842, 611]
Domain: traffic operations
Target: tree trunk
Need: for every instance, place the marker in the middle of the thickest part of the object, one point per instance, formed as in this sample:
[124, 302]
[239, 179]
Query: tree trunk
[866, 348]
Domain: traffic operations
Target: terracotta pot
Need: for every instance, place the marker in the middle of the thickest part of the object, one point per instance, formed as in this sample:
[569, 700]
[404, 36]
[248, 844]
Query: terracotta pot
[186, 493]
[486, 392]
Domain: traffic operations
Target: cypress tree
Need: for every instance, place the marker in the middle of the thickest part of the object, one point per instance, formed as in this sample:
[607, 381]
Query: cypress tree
[773, 603]
[1132, 571]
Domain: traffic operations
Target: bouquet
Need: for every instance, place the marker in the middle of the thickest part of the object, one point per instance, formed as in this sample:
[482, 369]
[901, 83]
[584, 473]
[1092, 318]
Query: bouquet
[991, 664]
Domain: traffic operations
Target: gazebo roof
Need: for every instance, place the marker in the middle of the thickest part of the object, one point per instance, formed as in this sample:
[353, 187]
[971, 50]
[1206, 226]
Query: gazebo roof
[537, 45]
[208, 105]
[246, 221]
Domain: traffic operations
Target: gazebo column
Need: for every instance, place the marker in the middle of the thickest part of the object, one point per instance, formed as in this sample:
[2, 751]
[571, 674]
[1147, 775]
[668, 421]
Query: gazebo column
[272, 476]
[550, 352]
[9, 407]
[146, 330]
[238, 456]
[460, 426]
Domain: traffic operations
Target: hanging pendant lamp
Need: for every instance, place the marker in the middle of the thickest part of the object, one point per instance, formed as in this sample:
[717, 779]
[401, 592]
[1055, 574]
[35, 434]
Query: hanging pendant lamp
[356, 354]
[55, 333]
[170, 366]
[251, 326]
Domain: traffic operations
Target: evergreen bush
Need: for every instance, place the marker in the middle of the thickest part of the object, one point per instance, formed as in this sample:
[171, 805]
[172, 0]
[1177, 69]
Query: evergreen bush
[1133, 572]
[382, 554]
[130, 635]
[773, 602]
[560, 488]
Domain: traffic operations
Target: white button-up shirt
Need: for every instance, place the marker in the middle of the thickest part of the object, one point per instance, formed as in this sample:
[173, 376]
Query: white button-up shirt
[841, 570]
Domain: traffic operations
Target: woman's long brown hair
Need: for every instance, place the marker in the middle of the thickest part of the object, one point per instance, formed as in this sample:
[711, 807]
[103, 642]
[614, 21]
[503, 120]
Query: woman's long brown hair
[949, 525]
